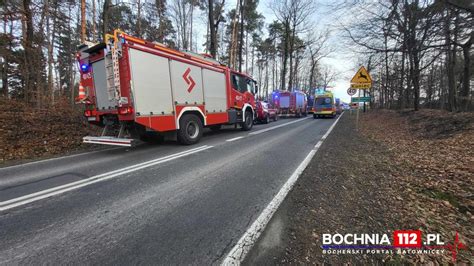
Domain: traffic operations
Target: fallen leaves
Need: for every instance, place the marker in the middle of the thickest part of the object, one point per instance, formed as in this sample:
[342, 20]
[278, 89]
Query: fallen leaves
[434, 154]
[30, 133]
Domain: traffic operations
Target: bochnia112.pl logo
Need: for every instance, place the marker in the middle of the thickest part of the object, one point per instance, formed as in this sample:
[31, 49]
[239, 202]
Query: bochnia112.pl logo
[400, 242]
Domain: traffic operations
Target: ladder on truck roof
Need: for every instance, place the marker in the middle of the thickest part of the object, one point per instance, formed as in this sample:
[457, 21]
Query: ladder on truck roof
[113, 52]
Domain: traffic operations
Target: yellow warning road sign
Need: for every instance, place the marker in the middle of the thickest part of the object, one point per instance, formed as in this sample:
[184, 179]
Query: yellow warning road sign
[361, 77]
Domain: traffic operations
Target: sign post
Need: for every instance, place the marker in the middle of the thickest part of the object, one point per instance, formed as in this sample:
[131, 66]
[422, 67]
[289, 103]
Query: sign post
[351, 93]
[360, 81]
[357, 118]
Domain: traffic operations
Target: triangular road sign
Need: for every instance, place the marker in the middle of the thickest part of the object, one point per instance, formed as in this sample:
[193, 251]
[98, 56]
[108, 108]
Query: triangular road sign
[362, 76]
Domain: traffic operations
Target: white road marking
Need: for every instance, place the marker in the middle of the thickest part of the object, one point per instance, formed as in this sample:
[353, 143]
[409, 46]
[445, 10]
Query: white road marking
[240, 250]
[8, 204]
[275, 127]
[233, 139]
[56, 158]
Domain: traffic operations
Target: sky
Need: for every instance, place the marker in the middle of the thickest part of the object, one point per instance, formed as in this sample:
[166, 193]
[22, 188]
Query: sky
[343, 61]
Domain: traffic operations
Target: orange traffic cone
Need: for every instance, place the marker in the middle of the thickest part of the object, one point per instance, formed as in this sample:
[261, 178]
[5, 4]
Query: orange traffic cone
[82, 94]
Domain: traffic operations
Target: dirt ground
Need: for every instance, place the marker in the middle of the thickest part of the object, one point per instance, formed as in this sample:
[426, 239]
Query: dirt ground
[28, 133]
[402, 170]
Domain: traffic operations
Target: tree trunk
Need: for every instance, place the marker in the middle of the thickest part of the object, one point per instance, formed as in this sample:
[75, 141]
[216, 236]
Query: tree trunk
[83, 21]
[105, 17]
[416, 81]
[285, 55]
[28, 46]
[50, 38]
[139, 19]
[292, 48]
[212, 30]
[241, 35]
[233, 45]
[5, 66]
[466, 81]
[94, 24]
[401, 99]
[191, 20]
[450, 63]
[387, 73]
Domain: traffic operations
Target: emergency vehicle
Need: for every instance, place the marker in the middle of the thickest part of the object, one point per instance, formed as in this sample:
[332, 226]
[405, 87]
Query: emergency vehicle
[324, 105]
[288, 103]
[144, 88]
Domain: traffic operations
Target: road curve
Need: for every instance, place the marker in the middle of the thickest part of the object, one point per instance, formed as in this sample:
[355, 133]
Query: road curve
[188, 209]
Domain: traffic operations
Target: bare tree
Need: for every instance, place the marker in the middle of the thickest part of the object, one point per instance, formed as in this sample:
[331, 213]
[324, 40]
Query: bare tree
[292, 14]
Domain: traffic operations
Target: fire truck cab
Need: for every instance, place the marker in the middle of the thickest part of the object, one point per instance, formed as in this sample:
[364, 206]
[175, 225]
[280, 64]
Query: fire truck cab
[146, 88]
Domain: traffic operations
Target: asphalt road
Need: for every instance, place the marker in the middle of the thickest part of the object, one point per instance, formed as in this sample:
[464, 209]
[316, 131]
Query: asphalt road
[152, 203]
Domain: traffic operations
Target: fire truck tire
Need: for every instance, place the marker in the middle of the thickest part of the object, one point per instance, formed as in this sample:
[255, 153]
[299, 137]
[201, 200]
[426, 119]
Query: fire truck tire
[190, 129]
[275, 118]
[267, 119]
[248, 124]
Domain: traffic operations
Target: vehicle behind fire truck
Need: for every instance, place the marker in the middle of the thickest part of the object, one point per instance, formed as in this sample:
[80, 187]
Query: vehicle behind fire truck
[324, 105]
[265, 112]
[290, 103]
[144, 88]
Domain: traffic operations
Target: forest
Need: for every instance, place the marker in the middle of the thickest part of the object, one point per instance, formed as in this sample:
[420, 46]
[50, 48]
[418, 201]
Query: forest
[419, 52]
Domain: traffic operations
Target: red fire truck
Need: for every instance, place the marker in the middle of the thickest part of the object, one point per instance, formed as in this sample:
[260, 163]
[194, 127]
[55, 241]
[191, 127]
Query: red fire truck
[290, 103]
[143, 88]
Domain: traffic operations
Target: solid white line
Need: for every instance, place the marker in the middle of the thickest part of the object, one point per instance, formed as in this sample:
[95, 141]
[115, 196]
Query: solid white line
[240, 250]
[275, 127]
[98, 176]
[56, 158]
[229, 140]
[5, 205]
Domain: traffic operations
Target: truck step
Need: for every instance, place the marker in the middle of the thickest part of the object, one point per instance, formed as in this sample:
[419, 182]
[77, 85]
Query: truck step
[106, 140]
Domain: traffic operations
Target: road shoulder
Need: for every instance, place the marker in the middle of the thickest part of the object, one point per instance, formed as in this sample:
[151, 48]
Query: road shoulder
[343, 190]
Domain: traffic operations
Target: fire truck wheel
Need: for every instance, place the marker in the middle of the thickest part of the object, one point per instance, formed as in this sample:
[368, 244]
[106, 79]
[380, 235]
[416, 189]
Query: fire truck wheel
[267, 119]
[275, 118]
[248, 124]
[190, 129]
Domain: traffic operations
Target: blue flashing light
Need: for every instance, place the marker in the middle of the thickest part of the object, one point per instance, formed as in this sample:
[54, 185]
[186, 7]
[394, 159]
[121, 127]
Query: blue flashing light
[85, 67]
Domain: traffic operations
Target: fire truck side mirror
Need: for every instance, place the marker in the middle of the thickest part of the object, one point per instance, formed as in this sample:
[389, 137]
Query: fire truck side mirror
[256, 88]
